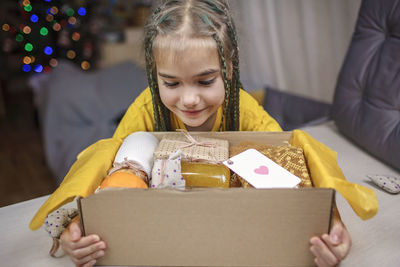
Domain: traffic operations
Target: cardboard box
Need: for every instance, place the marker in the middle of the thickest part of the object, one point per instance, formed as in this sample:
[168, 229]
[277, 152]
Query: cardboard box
[209, 227]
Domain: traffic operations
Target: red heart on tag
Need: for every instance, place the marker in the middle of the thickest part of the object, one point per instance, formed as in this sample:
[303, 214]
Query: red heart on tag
[262, 170]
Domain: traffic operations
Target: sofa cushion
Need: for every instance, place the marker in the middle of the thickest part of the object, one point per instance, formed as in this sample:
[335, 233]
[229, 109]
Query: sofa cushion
[366, 106]
[83, 107]
[293, 111]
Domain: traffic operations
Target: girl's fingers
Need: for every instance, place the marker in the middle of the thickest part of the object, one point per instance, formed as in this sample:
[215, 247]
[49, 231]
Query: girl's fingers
[87, 260]
[322, 252]
[83, 252]
[89, 264]
[320, 262]
[340, 251]
[338, 241]
[85, 241]
[66, 242]
[318, 258]
[75, 231]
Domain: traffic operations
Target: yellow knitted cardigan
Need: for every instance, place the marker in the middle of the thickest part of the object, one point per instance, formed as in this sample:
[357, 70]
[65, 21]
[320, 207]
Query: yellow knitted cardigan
[93, 163]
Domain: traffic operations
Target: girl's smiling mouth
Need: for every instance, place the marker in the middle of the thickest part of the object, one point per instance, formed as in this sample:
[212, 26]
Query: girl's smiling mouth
[192, 113]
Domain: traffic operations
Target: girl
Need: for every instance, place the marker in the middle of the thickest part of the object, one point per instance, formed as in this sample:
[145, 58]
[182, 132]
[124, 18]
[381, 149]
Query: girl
[192, 65]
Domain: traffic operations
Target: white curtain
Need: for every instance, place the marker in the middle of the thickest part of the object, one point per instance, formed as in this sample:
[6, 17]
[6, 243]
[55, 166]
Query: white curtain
[297, 46]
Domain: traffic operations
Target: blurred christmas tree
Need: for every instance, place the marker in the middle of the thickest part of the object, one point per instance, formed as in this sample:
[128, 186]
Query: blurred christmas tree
[41, 32]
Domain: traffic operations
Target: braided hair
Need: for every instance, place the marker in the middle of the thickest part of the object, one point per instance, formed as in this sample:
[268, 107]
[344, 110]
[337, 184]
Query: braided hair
[196, 19]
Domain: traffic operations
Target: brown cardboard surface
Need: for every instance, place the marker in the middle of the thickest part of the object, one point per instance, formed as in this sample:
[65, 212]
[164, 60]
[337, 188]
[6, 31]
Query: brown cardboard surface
[209, 227]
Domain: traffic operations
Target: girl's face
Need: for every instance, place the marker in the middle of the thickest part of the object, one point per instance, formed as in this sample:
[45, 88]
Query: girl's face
[191, 86]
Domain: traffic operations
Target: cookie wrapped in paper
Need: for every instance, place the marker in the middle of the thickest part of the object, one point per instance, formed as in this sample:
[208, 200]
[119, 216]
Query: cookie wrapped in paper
[201, 159]
[166, 173]
[193, 148]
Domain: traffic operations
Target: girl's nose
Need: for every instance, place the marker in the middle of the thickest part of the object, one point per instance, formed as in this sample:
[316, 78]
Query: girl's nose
[190, 98]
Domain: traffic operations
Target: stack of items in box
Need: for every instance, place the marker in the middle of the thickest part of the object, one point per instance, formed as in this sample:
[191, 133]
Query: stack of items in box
[182, 161]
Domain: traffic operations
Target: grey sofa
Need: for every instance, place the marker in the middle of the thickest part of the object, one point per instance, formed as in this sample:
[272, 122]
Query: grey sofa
[367, 98]
[78, 108]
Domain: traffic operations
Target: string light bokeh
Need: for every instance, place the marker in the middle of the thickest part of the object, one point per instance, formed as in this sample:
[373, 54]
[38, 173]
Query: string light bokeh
[50, 30]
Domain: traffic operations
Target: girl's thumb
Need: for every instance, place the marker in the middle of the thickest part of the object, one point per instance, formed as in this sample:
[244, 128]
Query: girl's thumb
[75, 232]
[336, 234]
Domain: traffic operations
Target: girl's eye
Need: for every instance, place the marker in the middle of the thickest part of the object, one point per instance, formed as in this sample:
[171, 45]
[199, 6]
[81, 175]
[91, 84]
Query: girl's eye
[207, 82]
[170, 84]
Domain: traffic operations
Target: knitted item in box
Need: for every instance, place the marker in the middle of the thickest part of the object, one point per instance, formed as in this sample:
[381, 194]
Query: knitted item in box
[287, 156]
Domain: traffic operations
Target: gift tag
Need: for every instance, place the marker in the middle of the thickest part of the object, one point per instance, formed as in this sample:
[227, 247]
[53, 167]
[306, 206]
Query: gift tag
[260, 171]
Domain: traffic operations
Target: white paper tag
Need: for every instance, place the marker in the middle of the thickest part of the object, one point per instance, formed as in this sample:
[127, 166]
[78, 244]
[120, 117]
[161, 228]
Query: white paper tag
[260, 171]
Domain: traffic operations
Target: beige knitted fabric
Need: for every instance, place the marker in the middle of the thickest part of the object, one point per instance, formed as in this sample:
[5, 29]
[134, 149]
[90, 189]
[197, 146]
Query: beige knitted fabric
[287, 156]
[58, 220]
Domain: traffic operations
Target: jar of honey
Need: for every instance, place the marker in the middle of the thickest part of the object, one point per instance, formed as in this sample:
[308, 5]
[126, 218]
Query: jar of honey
[205, 175]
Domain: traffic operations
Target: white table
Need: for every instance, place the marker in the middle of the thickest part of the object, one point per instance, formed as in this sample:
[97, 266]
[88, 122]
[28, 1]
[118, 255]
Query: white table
[376, 242]
[19, 246]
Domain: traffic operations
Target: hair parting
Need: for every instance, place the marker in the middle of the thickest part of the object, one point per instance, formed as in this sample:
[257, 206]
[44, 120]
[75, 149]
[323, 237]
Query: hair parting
[196, 19]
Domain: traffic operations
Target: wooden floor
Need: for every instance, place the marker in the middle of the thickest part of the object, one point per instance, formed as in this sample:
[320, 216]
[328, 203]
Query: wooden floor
[23, 171]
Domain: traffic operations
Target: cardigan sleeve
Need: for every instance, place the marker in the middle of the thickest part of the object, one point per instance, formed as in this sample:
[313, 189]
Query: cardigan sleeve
[138, 117]
[83, 178]
[253, 117]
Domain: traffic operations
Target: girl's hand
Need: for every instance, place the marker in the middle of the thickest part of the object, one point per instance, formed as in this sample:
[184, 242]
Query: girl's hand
[83, 251]
[331, 249]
